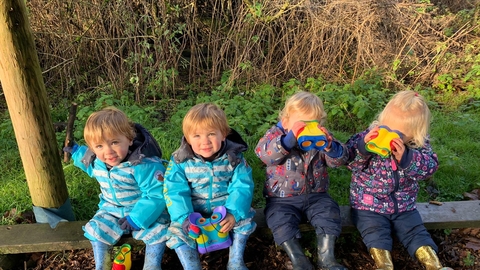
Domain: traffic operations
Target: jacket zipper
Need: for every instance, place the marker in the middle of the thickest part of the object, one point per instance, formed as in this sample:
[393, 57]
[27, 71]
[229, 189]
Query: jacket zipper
[397, 183]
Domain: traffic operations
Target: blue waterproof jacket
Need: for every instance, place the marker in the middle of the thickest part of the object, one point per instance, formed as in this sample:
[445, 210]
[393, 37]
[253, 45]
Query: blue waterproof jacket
[135, 186]
[193, 184]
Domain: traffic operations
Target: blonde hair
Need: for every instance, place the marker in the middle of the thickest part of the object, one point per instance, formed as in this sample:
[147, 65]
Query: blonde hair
[306, 103]
[108, 122]
[415, 115]
[205, 115]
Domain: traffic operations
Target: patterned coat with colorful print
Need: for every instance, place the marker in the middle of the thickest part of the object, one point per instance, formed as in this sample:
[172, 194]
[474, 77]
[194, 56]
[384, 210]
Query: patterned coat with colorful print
[293, 172]
[384, 185]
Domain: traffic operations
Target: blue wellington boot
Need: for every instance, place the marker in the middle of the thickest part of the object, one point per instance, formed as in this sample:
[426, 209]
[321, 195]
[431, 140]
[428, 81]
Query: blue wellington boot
[188, 257]
[153, 256]
[102, 255]
[235, 256]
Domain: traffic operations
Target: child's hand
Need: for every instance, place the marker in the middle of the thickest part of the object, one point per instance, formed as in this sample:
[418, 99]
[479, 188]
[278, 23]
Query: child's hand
[329, 138]
[126, 223]
[297, 126]
[227, 223]
[372, 134]
[71, 148]
[398, 148]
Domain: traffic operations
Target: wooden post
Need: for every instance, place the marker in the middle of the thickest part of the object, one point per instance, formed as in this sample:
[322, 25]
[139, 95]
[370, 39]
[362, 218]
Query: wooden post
[26, 97]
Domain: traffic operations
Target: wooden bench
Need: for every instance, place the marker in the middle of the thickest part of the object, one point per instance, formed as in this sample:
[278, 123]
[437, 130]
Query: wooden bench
[28, 238]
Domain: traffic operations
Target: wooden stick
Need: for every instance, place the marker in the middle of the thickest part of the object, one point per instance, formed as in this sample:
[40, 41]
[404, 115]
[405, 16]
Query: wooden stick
[72, 114]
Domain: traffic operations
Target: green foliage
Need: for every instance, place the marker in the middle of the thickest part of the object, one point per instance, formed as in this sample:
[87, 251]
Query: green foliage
[248, 112]
[469, 259]
[351, 107]
[460, 86]
[455, 137]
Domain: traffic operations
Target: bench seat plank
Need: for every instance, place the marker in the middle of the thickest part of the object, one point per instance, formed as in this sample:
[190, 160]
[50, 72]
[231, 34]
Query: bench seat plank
[27, 238]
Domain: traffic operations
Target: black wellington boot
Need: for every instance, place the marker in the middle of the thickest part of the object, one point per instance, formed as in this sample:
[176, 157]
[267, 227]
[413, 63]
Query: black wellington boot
[295, 252]
[325, 252]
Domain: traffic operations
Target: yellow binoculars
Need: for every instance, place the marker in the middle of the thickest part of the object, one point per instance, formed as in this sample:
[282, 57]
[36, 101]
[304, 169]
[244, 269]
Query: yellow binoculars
[382, 144]
[123, 258]
[311, 136]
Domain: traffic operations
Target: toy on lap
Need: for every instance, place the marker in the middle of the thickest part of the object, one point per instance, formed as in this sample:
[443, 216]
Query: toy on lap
[206, 231]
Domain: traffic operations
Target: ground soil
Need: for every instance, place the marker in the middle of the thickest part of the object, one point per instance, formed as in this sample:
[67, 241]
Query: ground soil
[458, 249]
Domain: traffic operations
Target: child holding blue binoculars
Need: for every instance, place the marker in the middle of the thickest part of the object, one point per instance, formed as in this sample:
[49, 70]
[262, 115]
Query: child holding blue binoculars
[297, 151]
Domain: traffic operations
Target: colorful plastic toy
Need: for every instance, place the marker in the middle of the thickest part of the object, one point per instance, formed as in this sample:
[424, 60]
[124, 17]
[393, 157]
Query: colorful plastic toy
[311, 136]
[382, 144]
[123, 258]
[206, 231]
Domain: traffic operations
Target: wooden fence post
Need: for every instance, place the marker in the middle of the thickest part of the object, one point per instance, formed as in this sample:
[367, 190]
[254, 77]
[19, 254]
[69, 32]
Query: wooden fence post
[24, 89]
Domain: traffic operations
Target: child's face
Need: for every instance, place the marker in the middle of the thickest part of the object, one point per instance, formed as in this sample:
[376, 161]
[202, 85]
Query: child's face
[206, 142]
[397, 123]
[112, 150]
[294, 117]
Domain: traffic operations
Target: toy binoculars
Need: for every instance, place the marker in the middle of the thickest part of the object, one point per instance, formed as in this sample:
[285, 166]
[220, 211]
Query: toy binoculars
[382, 144]
[209, 238]
[311, 136]
[123, 258]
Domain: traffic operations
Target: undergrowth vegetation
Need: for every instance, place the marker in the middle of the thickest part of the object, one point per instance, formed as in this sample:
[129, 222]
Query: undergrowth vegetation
[154, 60]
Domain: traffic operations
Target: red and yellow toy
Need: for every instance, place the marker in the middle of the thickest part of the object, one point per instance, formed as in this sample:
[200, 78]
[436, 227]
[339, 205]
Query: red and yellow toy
[311, 136]
[123, 258]
[382, 144]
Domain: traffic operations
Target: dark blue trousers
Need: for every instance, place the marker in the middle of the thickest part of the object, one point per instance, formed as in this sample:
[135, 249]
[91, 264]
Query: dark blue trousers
[283, 215]
[377, 230]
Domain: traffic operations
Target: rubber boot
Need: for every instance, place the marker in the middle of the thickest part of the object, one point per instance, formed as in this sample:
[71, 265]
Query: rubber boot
[235, 256]
[382, 258]
[153, 256]
[325, 252]
[295, 253]
[189, 258]
[102, 255]
[428, 257]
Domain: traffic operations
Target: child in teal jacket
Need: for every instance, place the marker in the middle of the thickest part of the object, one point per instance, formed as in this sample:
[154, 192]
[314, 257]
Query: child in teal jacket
[207, 171]
[125, 160]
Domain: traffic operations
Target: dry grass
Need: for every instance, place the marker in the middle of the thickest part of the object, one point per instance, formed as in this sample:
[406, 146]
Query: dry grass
[86, 44]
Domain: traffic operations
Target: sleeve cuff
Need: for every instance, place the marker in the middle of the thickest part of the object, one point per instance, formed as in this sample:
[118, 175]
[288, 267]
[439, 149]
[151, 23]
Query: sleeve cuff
[336, 150]
[129, 219]
[289, 141]
[406, 158]
[362, 147]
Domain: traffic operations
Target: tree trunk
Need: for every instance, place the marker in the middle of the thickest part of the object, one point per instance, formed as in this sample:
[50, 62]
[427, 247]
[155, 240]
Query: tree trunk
[24, 90]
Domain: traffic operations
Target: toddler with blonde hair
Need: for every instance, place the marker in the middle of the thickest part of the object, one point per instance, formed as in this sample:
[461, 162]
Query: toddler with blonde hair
[126, 161]
[297, 181]
[383, 189]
